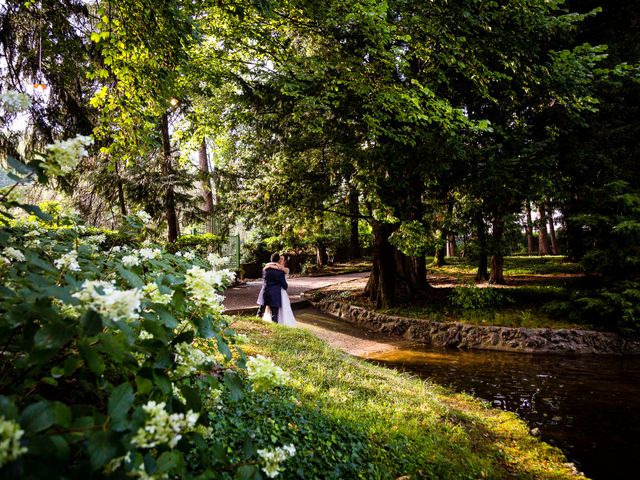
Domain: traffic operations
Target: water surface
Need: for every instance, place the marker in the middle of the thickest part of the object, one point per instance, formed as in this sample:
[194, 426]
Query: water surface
[587, 405]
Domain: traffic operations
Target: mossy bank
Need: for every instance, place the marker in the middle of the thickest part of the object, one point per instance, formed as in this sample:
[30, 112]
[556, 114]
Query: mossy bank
[352, 419]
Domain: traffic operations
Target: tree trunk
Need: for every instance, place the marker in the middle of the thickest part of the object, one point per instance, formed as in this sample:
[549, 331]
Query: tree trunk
[205, 185]
[441, 250]
[451, 245]
[167, 171]
[552, 231]
[497, 259]
[483, 273]
[529, 227]
[121, 201]
[497, 271]
[381, 286]
[354, 212]
[322, 257]
[543, 242]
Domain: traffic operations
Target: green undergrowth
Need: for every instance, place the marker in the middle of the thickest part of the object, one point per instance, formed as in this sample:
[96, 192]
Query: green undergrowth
[352, 419]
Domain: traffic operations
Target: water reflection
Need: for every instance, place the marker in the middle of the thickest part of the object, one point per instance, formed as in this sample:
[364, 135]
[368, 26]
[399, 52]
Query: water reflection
[589, 406]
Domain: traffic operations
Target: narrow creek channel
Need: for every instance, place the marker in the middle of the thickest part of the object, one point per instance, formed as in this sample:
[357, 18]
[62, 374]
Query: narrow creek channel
[587, 405]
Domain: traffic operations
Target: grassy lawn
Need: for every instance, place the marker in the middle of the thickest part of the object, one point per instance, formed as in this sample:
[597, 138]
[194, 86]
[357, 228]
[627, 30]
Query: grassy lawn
[399, 425]
[535, 287]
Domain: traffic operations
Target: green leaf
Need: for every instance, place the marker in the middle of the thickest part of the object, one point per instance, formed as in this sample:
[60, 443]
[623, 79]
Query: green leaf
[234, 383]
[19, 166]
[71, 364]
[92, 358]
[62, 414]
[132, 278]
[163, 382]
[167, 319]
[144, 385]
[170, 462]
[248, 472]
[91, 323]
[52, 336]
[38, 416]
[61, 447]
[8, 409]
[192, 397]
[35, 210]
[204, 326]
[102, 446]
[223, 346]
[156, 329]
[120, 402]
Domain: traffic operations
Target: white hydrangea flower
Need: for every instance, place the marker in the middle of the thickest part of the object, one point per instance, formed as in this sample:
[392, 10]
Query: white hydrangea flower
[161, 428]
[144, 217]
[68, 261]
[178, 254]
[116, 249]
[203, 285]
[130, 260]
[216, 261]
[274, 457]
[62, 156]
[10, 435]
[108, 301]
[264, 374]
[33, 233]
[149, 253]
[189, 255]
[152, 292]
[190, 359]
[14, 102]
[13, 254]
[97, 239]
[35, 243]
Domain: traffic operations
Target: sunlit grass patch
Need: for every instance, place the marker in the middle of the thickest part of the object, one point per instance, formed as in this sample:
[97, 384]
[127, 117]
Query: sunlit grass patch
[413, 427]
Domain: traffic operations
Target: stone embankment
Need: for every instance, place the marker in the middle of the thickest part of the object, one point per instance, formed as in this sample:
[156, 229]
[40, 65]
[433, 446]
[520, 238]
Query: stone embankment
[465, 336]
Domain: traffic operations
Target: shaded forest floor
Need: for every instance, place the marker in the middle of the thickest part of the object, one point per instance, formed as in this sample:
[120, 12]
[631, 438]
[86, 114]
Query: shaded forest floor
[535, 295]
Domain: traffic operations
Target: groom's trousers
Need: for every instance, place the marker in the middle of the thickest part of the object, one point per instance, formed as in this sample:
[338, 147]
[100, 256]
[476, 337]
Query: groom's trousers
[274, 312]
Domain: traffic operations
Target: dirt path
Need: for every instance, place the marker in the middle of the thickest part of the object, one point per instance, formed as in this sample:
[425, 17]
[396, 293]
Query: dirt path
[349, 338]
[244, 296]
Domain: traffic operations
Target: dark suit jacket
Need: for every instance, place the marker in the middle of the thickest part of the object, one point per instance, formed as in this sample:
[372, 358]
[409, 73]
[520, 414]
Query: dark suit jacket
[272, 281]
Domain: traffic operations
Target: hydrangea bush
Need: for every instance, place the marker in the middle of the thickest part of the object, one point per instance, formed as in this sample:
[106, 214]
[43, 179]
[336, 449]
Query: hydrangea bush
[101, 370]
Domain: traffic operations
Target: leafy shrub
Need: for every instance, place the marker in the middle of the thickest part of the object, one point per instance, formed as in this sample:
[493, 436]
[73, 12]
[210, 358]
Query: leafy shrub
[615, 307]
[201, 244]
[475, 298]
[103, 371]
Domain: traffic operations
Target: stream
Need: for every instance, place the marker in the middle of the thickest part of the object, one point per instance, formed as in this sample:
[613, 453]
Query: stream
[587, 405]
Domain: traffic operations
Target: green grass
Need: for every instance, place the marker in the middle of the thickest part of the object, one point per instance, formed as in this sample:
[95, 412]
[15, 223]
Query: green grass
[513, 265]
[408, 426]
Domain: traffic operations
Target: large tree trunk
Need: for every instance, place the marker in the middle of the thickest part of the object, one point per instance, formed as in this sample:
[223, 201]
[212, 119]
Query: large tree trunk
[205, 185]
[354, 212]
[552, 230]
[497, 259]
[483, 272]
[529, 227]
[381, 286]
[543, 242]
[167, 171]
[451, 245]
[393, 274]
[121, 201]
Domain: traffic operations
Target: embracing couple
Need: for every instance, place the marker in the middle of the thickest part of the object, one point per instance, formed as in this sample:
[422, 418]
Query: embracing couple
[273, 298]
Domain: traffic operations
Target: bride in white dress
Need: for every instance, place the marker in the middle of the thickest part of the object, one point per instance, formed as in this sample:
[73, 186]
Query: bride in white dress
[285, 315]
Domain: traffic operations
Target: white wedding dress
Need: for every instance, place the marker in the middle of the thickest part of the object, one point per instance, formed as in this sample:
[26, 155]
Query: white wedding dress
[285, 314]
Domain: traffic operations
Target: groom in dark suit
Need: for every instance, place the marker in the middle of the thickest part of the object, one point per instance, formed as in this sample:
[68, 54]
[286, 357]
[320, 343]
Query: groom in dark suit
[273, 280]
